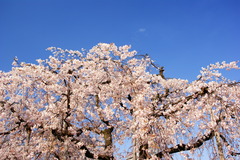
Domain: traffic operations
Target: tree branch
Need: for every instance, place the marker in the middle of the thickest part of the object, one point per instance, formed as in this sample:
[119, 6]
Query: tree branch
[186, 147]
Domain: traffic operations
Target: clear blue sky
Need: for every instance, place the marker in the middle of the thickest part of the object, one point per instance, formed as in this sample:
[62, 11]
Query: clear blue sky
[182, 35]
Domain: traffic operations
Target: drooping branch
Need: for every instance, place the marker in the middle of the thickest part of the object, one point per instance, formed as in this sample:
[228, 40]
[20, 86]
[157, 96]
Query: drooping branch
[18, 123]
[88, 153]
[107, 133]
[8, 132]
[227, 144]
[193, 96]
[196, 95]
[200, 141]
[186, 147]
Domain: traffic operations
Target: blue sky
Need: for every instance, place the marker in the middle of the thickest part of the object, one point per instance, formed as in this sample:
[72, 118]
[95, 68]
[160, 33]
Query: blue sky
[181, 35]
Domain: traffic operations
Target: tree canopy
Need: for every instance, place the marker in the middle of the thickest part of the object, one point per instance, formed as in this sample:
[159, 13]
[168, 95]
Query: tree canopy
[80, 105]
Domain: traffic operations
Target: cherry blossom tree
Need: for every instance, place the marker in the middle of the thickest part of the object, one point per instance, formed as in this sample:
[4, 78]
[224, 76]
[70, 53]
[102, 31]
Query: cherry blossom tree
[80, 105]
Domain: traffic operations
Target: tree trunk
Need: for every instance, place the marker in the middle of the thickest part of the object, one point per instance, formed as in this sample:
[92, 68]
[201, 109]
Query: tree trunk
[219, 146]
